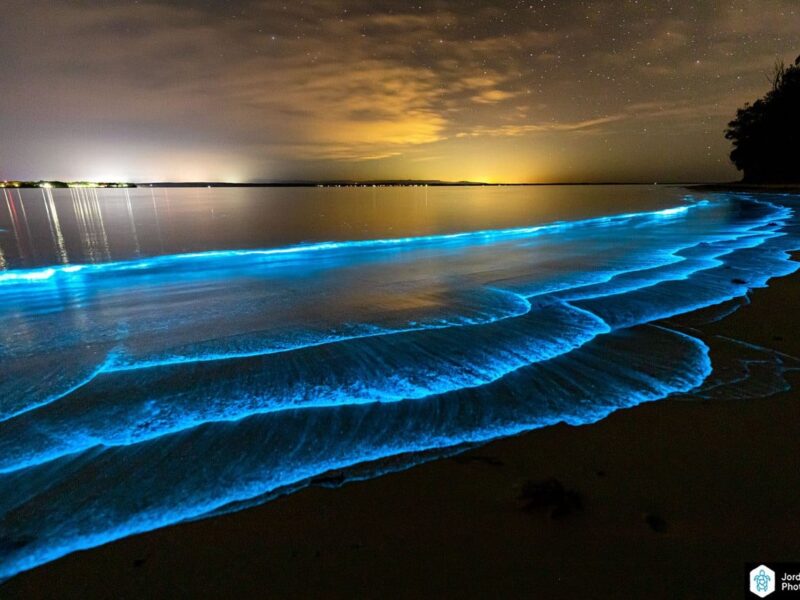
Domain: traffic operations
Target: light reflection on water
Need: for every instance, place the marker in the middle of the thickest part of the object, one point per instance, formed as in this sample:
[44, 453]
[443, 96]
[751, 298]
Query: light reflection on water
[89, 225]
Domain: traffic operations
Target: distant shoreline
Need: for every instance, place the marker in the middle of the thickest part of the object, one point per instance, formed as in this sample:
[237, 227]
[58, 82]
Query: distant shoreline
[391, 183]
[410, 183]
[733, 186]
[309, 184]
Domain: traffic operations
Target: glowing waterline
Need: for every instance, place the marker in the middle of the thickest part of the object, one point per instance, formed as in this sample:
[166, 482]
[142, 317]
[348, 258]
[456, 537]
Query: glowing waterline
[44, 274]
[495, 372]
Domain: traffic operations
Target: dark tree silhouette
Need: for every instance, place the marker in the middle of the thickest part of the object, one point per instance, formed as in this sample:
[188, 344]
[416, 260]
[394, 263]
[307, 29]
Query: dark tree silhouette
[766, 134]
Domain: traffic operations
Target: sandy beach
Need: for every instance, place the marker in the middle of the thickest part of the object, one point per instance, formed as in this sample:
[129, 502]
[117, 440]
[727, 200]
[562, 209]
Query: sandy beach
[664, 500]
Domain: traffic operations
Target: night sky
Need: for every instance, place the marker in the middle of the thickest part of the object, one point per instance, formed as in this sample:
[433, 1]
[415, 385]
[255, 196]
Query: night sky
[535, 91]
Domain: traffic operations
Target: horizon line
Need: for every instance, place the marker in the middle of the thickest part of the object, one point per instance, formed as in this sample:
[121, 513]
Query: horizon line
[331, 183]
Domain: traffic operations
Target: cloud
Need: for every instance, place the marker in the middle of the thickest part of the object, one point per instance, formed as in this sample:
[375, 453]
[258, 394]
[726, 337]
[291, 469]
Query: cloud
[280, 84]
[167, 65]
[528, 128]
[492, 96]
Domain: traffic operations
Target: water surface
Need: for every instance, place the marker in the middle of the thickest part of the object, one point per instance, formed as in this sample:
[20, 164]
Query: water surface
[169, 354]
[57, 226]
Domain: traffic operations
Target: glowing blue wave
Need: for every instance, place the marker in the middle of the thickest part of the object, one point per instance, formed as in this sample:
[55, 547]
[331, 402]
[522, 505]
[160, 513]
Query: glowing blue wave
[391, 368]
[289, 447]
[153, 391]
[79, 292]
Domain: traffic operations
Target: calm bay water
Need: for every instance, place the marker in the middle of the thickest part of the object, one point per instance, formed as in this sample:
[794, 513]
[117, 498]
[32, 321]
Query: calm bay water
[42, 227]
[171, 354]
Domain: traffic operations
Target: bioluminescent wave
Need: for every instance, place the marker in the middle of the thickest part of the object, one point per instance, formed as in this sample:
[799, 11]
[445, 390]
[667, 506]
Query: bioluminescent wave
[141, 393]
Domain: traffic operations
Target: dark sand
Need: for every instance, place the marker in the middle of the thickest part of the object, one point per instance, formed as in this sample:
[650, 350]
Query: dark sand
[677, 495]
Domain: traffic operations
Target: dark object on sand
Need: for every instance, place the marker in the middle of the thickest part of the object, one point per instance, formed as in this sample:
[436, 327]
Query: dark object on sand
[550, 494]
[738, 281]
[656, 523]
[766, 134]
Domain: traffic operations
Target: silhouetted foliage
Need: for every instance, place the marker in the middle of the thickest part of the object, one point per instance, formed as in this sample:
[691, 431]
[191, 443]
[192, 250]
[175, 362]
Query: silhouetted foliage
[766, 134]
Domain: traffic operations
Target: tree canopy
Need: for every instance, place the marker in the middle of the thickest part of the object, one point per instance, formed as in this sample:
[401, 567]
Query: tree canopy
[766, 134]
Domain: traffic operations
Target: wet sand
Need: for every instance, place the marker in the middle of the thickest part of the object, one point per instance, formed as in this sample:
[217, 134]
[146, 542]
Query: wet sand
[664, 500]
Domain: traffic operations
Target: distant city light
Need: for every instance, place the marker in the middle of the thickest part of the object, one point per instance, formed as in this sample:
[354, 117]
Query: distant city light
[69, 184]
